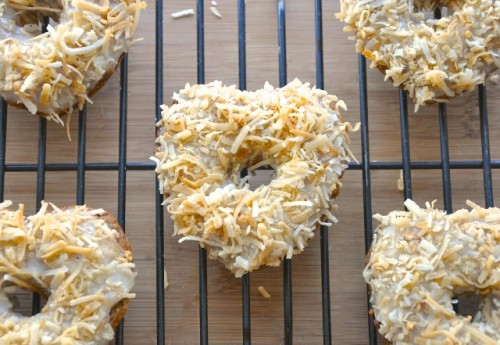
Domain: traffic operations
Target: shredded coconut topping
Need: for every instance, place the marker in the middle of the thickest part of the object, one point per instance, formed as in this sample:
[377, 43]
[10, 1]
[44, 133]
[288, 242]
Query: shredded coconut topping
[73, 257]
[420, 259]
[49, 73]
[212, 132]
[432, 59]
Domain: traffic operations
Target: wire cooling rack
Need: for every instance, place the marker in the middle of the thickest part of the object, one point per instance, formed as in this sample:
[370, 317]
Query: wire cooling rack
[445, 165]
[366, 165]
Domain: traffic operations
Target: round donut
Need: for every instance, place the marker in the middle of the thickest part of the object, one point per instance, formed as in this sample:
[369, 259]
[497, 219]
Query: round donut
[212, 132]
[80, 259]
[420, 259]
[433, 60]
[51, 73]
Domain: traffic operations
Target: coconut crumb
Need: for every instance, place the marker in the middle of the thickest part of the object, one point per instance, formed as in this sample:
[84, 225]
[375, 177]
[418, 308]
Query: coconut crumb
[264, 292]
[215, 12]
[400, 182]
[184, 13]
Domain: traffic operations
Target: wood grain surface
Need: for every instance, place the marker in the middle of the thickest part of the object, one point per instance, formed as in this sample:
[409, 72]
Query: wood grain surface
[348, 291]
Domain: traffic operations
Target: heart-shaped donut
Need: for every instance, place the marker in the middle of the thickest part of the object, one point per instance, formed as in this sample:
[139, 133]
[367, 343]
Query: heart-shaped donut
[50, 73]
[212, 132]
[432, 59]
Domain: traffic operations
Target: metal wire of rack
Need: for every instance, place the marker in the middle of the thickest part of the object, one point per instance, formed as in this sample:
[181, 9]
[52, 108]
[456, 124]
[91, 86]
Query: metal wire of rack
[366, 166]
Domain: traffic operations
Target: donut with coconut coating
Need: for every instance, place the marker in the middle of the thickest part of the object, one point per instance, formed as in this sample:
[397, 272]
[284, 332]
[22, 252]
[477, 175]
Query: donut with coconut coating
[212, 132]
[432, 59]
[79, 259]
[51, 73]
[420, 259]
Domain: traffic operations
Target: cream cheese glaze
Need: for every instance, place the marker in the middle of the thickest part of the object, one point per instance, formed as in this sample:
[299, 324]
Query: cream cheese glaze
[73, 256]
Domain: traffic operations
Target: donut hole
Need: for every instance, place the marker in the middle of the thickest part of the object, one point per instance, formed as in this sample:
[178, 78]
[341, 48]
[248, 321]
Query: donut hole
[22, 300]
[430, 14]
[31, 20]
[468, 304]
[435, 9]
[446, 7]
[444, 12]
[259, 178]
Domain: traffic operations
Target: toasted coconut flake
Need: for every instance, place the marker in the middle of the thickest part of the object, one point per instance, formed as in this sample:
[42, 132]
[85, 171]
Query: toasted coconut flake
[215, 11]
[264, 292]
[400, 182]
[184, 13]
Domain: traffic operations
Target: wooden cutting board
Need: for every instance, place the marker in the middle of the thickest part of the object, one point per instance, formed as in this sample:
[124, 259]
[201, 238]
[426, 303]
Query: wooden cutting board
[348, 291]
